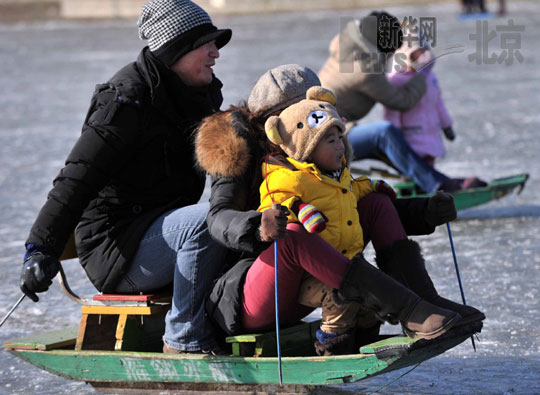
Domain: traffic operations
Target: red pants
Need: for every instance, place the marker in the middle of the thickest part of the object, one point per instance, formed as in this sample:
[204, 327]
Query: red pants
[302, 252]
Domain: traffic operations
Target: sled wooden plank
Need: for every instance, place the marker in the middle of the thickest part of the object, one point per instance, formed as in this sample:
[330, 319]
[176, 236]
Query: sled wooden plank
[46, 341]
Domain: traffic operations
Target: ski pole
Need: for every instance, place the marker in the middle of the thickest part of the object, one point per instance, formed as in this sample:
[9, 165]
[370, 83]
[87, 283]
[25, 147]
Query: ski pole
[12, 309]
[277, 206]
[458, 275]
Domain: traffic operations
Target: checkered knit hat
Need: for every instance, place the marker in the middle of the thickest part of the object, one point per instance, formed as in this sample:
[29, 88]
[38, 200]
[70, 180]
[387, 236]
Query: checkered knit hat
[175, 27]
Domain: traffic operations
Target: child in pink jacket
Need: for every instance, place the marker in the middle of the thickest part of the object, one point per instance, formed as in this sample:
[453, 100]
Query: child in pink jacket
[421, 125]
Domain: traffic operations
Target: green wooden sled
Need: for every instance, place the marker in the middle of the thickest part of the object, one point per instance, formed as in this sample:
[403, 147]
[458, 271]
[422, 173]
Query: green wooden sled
[251, 367]
[468, 198]
[118, 346]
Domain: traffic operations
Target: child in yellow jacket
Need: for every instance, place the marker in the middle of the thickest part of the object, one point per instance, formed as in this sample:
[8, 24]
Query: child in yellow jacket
[319, 191]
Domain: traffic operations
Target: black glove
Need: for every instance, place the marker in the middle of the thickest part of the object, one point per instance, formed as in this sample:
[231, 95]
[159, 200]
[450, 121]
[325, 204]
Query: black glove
[37, 274]
[440, 209]
[449, 133]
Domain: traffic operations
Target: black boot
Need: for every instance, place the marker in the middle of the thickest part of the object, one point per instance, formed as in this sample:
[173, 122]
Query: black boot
[393, 302]
[404, 262]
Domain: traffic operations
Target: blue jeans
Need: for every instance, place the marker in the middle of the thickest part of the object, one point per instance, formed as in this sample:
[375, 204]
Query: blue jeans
[371, 140]
[177, 248]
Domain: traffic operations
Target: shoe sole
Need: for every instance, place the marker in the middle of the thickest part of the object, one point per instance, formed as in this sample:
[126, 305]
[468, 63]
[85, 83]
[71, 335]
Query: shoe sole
[469, 319]
[436, 333]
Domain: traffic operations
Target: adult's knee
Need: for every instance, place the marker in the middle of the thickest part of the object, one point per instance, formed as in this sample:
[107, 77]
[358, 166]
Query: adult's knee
[194, 217]
[384, 133]
[392, 133]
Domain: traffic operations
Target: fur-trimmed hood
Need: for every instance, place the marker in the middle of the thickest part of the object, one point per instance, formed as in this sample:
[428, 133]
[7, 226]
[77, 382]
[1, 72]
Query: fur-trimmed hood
[226, 143]
[223, 145]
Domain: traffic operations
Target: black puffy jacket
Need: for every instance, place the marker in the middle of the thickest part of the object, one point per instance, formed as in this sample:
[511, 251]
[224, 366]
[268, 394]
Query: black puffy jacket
[133, 161]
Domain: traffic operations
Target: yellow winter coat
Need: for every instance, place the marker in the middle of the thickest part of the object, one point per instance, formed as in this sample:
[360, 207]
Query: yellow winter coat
[336, 200]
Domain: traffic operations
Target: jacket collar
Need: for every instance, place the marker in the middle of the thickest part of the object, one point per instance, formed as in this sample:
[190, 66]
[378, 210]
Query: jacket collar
[172, 97]
[311, 168]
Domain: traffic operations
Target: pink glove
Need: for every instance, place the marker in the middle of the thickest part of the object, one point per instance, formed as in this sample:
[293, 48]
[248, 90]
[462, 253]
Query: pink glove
[383, 187]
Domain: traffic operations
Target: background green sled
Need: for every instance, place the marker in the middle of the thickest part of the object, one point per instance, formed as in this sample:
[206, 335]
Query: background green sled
[467, 198]
[54, 352]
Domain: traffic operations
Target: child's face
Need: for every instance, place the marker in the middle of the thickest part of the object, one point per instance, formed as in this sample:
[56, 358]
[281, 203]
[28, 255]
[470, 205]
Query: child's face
[329, 151]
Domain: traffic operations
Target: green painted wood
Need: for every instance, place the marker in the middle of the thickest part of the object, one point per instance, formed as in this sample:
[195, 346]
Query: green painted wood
[145, 367]
[157, 367]
[296, 340]
[154, 370]
[395, 341]
[252, 338]
[46, 341]
[471, 197]
[119, 368]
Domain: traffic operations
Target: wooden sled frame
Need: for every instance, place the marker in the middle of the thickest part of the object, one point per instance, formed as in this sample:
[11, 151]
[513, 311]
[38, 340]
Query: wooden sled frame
[111, 316]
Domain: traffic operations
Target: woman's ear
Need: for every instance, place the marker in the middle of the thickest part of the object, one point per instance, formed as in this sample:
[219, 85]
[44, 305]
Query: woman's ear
[271, 127]
[321, 94]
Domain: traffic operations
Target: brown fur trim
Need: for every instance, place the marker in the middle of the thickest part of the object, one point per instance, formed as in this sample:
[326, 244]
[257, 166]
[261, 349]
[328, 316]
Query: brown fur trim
[220, 149]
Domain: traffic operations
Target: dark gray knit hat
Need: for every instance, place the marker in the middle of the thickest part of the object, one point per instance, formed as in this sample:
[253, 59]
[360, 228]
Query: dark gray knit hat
[280, 87]
[175, 27]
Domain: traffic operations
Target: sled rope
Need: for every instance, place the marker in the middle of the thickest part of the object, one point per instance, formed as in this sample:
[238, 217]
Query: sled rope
[396, 379]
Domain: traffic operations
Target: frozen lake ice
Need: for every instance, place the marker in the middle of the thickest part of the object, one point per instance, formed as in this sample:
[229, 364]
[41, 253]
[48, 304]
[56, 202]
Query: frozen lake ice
[48, 71]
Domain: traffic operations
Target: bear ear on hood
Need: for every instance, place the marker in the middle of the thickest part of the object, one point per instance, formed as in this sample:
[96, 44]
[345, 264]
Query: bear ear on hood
[271, 127]
[321, 94]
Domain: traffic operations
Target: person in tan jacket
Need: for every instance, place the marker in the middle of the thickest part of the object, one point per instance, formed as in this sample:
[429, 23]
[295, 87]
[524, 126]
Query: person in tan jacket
[355, 72]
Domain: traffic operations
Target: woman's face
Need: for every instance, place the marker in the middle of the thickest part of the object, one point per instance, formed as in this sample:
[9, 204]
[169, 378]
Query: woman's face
[329, 151]
[195, 67]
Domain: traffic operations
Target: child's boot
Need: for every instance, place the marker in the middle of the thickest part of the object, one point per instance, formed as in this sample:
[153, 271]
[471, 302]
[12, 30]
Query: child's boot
[392, 302]
[337, 334]
[404, 262]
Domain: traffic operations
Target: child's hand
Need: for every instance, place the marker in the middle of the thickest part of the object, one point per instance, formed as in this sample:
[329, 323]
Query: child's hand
[449, 133]
[313, 220]
[383, 187]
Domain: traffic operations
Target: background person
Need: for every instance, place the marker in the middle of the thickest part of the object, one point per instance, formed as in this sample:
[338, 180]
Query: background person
[129, 186]
[422, 125]
[371, 41]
